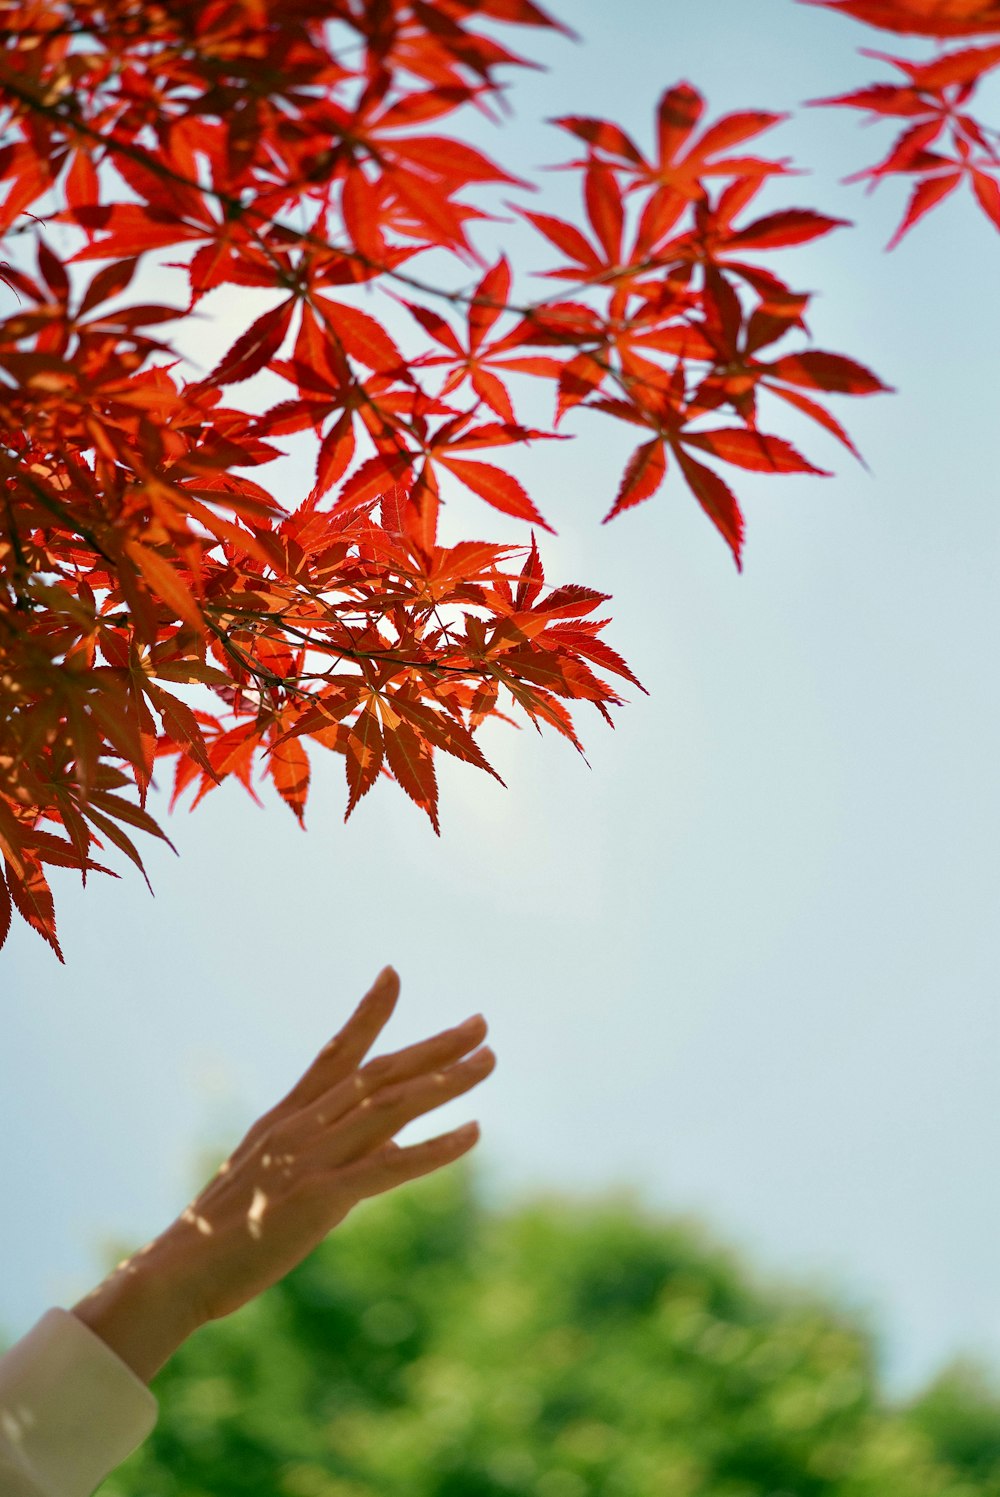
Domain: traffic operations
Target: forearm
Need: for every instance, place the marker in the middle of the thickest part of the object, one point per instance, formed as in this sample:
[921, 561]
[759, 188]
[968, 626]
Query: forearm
[140, 1310]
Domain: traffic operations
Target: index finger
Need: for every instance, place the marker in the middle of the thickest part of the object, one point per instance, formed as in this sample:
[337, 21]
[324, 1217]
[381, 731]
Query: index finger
[349, 1046]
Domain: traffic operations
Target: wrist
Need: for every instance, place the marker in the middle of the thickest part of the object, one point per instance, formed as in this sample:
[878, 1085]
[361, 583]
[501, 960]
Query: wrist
[140, 1311]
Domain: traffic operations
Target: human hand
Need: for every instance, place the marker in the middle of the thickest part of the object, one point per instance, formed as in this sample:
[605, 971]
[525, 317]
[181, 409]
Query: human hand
[295, 1176]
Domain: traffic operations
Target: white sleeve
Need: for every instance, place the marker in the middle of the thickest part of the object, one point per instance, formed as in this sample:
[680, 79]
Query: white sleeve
[70, 1410]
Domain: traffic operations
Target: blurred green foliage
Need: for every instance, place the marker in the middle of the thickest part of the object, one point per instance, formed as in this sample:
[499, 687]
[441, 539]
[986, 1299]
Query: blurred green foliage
[430, 1348]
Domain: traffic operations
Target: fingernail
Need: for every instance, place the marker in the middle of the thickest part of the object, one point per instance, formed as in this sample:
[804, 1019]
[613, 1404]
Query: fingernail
[469, 1023]
[383, 978]
[469, 1130]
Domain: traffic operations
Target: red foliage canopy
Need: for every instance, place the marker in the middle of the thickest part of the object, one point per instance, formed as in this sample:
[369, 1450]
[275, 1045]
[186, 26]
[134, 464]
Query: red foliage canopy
[943, 145]
[299, 146]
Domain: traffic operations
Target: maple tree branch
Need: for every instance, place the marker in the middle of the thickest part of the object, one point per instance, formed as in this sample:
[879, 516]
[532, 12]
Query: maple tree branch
[341, 651]
[260, 673]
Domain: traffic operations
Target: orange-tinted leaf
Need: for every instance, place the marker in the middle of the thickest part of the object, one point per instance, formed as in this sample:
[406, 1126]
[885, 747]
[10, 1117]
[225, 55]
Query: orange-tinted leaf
[521, 12]
[82, 182]
[376, 476]
[822, 417]
[493, 392]
[256, 347]
[987, 192]
[538, 702]
[604, 209]
[412, 766]
[531, 579]
[166, 583]
[880, 98]
[179, 723]
[124, 810]
[556, 671]
[596, 650]
[570, 601]
[602, 135]
[731, 130]
[643, 476]
[63, 854]
[565, 237]
[484, 700]
[966, 66]
[109, 282]
[335, 454]
[453, 162]
[32, 899]
[6, 909]
[790, 226]
[445, 733]
[288, 764]
[752, 449]
[433, 323]
[909, 153]
[188, 671]
[118, 838]
[926, 195]
[131, 228]
[578, 378]
[361, 207]
[678, 111]
[363, 758]
[362, 337]
[437, 217]
[817, 370]
[53, 271]
[488, 301]
[921, 17]
[717, 500]
[498, 488]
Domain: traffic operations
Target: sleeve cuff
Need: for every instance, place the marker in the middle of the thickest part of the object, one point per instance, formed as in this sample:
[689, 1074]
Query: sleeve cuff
[70, 1409]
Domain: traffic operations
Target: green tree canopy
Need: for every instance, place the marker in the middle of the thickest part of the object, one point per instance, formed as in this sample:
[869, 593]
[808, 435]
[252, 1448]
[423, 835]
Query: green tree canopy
[563, 1348]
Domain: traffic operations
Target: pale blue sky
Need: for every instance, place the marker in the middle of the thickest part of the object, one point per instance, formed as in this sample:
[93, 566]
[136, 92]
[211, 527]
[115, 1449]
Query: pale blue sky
[746, 964]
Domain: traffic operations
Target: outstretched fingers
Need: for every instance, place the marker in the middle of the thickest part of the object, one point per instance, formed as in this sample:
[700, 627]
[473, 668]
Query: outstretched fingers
[372, 1120]
[389, 1166]
[344, 1053]
[388, 1072]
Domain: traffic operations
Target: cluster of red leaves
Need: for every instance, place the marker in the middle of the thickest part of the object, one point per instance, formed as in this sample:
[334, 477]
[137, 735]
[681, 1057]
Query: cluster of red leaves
[684, 328]
[136, 555]
[942, 145]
